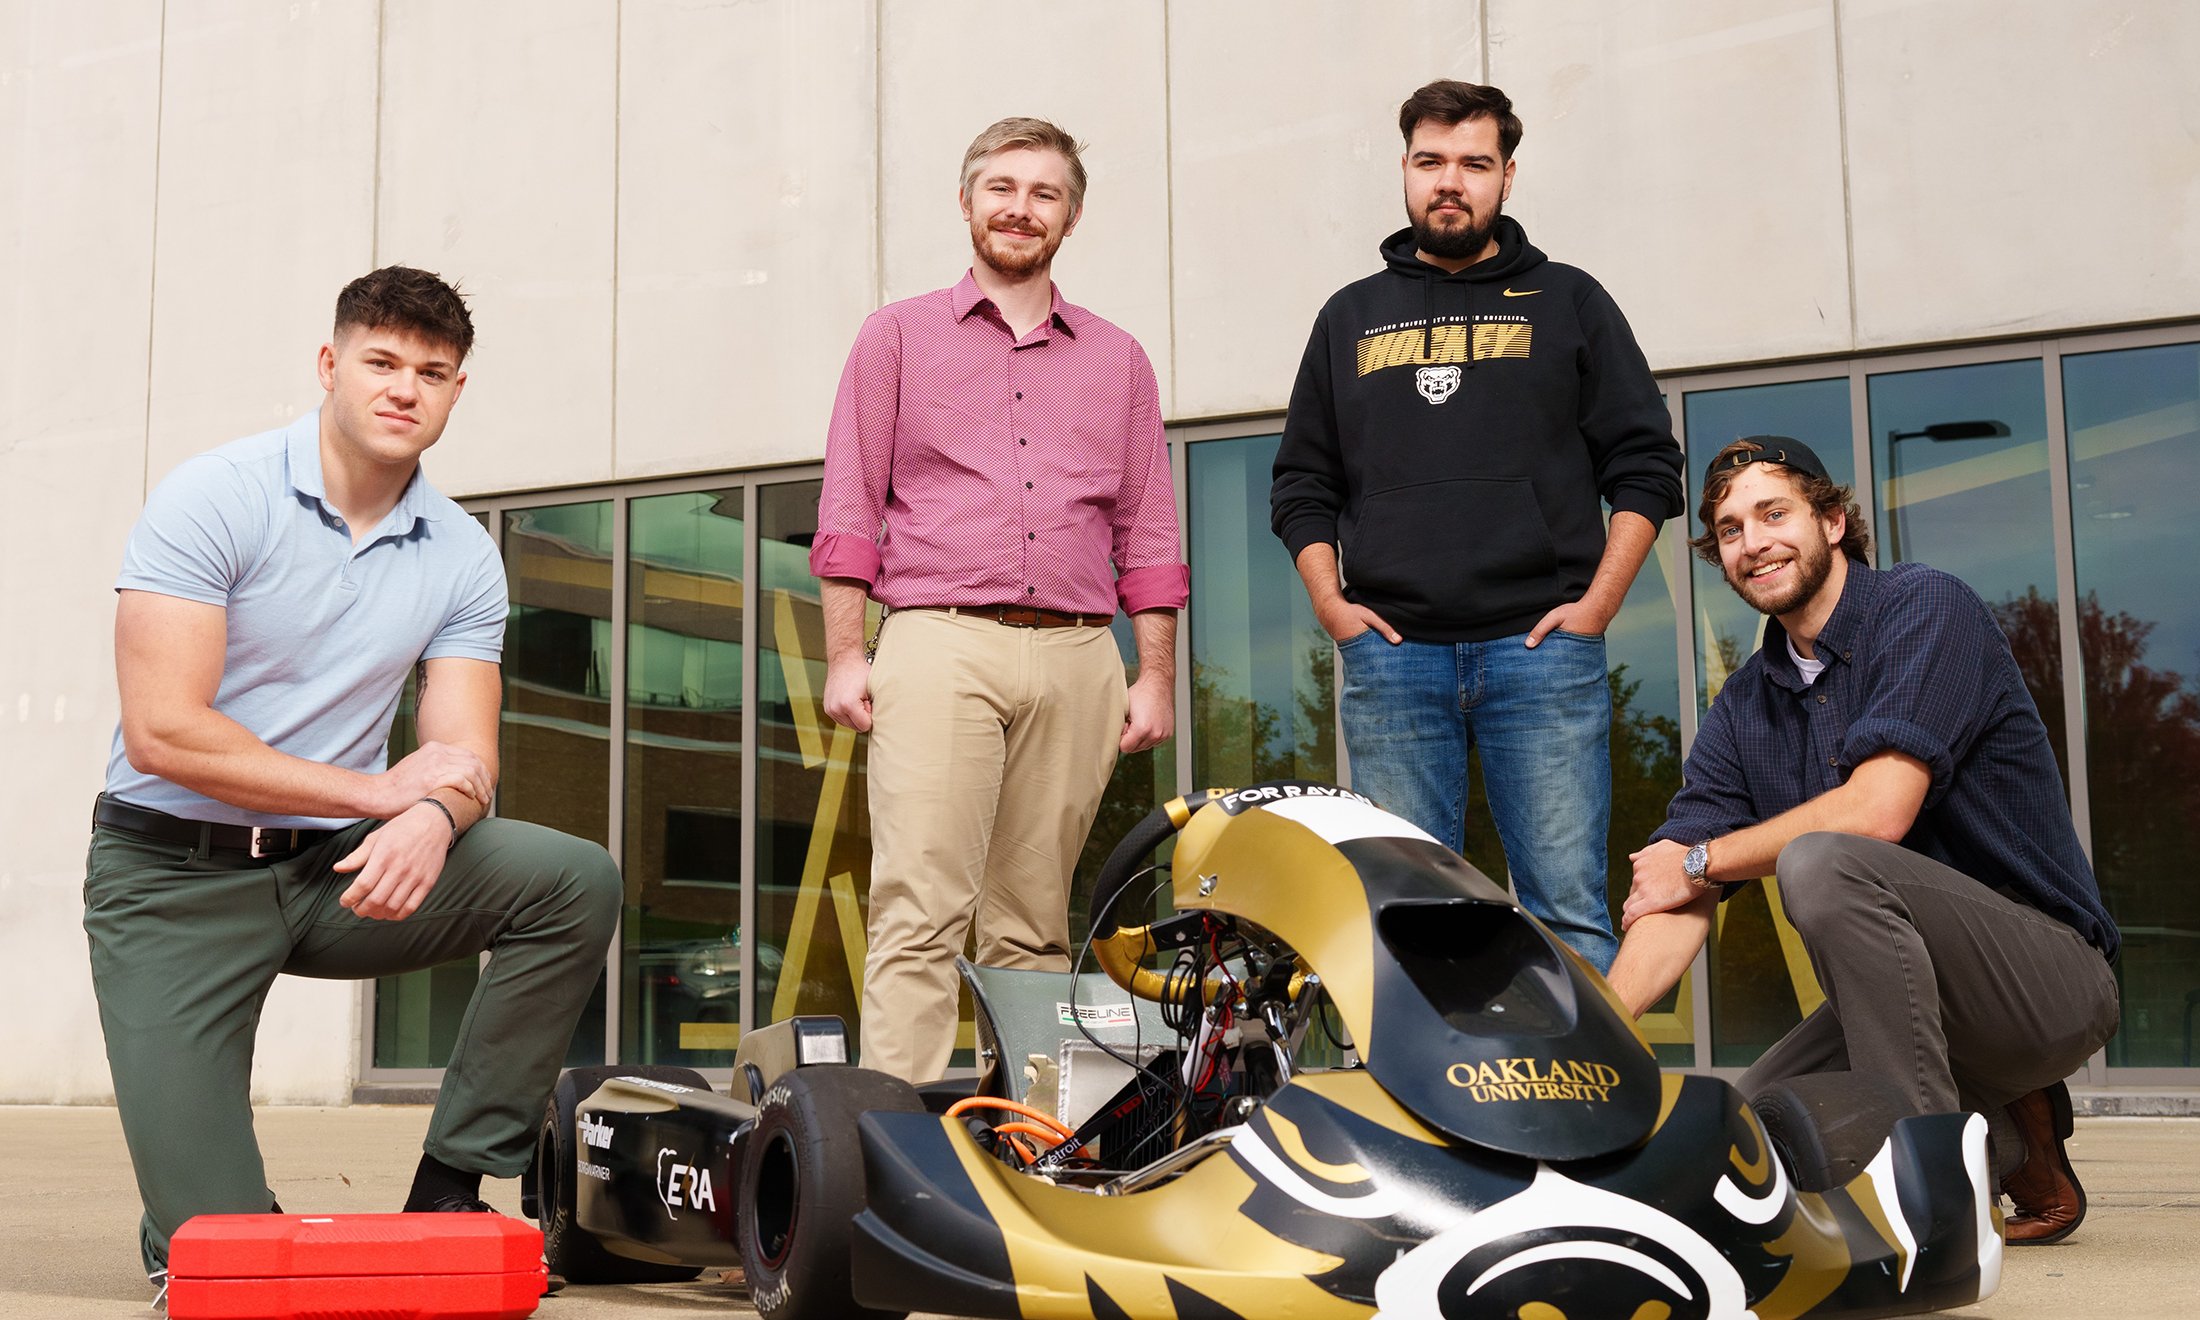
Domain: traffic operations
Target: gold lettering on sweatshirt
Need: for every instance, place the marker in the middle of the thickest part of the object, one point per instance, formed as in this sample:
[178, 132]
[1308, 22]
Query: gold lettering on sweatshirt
[1444, 344]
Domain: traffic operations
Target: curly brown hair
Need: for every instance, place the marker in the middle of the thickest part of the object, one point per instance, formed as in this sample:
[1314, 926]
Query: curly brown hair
[1825, 500]
[416, 302]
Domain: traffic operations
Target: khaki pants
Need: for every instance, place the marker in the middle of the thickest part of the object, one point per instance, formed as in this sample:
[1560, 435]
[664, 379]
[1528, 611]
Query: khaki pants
[990, 748]
[185, 946]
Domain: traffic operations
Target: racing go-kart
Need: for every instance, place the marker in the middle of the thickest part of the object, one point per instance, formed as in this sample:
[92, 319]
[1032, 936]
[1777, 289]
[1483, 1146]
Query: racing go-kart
[1347, 1077]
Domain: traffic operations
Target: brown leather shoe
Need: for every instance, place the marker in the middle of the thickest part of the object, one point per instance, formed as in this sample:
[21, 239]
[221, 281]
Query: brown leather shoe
[2048, 1204]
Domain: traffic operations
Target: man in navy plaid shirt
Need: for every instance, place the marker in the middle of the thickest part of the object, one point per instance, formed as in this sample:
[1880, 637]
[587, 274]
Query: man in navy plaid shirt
[1882, 755]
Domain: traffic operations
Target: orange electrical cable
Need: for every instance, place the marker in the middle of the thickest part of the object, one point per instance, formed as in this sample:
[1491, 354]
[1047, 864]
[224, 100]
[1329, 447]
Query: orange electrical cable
[1061, 1130]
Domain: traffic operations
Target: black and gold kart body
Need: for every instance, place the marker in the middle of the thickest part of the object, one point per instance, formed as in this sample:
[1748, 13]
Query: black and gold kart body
[1499, 1142]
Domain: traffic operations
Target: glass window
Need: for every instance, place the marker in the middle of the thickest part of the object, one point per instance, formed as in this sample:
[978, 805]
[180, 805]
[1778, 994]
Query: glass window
[813, 819]
[680, 946]
[555, 745]
[1961, 457]
[1263, 671]
[1761, 981]
[2134, 425]
[1646, 755]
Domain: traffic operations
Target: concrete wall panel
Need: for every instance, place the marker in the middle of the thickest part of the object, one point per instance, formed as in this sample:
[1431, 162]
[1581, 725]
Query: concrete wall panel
[266, 187]
[1688, 157]
[2009, 175]
[1284, 172]
[1097, 69]
[498, 131]
[79, 95]
[748, 246]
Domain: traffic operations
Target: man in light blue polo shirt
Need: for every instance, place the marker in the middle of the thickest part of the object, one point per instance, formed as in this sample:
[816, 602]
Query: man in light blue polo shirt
[274, 595]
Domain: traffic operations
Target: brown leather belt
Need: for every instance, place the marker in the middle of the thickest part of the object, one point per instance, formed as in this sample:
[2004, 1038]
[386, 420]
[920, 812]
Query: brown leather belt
[259, 843]
[1023, 616]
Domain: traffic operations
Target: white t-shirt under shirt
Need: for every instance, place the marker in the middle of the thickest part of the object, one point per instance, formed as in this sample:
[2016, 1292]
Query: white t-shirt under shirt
[1809, 669]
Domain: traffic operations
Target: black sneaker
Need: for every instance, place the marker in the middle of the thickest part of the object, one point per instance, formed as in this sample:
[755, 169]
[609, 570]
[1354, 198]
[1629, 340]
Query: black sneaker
[459, 1203]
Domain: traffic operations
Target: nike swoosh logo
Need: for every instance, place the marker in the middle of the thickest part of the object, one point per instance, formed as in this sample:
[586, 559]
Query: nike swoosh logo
[1524, 293]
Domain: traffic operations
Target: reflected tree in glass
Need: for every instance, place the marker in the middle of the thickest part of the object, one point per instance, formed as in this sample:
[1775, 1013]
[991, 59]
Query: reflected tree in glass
[1961, 460]
[1263, 671]
[2133, 419]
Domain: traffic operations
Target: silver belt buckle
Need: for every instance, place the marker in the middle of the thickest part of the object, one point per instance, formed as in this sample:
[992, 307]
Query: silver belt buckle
[259, 835]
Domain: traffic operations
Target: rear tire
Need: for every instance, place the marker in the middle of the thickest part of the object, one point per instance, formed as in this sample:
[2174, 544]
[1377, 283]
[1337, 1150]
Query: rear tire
[1829, 1126]
[802, 1188]
[568, 1248]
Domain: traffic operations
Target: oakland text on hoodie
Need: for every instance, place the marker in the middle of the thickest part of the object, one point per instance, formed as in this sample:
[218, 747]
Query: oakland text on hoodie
[1454, 435]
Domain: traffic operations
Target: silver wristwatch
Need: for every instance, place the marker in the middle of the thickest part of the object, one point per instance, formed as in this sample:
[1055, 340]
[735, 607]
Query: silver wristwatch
[1697, 865]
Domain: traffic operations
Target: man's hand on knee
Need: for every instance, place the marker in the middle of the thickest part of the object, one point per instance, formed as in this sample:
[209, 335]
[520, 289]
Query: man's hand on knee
[397, 865]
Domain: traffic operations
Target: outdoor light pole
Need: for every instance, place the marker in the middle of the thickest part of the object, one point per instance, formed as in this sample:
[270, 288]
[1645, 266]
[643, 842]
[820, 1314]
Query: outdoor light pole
[1938, 431]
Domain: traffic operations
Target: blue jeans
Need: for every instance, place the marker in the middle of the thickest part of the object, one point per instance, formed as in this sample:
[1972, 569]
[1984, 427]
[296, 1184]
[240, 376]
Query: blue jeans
[1542, 719]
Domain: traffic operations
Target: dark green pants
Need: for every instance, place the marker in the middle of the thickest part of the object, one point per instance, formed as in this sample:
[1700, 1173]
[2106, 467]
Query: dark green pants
[185, 946]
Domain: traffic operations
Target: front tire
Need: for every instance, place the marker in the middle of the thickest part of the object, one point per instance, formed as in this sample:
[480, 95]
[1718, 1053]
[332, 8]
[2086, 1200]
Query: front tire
[1829, 1126]
[568, 1248]
[802, 1187]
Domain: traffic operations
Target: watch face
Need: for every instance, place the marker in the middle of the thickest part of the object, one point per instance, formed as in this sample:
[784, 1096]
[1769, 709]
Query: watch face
[1694, 864]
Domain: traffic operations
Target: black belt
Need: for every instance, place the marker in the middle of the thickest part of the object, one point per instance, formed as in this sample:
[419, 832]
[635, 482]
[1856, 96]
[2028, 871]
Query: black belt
[255, 841]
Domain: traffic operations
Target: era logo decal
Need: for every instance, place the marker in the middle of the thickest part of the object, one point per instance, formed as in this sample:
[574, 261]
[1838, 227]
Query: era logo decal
[683, 1185]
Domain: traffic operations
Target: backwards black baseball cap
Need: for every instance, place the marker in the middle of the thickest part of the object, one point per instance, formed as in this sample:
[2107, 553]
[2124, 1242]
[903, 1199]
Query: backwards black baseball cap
[1787, 451]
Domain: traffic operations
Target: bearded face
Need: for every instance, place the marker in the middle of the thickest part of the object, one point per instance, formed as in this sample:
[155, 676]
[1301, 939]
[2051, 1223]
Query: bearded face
[1017, 203]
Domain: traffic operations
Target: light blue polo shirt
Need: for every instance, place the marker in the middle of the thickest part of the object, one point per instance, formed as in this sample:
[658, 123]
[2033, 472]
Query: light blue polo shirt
[321, 632]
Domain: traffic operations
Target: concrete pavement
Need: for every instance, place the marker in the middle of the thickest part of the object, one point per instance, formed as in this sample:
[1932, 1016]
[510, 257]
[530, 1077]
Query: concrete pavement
[68, 1216]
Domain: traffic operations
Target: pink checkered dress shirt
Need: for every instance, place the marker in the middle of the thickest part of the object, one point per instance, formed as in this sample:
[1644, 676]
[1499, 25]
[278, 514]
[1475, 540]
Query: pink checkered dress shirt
[967, 467]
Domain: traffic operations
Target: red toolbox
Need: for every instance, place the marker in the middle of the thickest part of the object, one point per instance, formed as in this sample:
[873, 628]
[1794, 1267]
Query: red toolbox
[354, 1267]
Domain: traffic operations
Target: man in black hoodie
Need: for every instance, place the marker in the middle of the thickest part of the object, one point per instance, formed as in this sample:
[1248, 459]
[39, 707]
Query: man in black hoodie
[1457, 422]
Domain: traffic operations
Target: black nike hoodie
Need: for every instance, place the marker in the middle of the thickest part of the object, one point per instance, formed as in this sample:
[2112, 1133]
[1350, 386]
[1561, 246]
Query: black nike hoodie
[1454, 436]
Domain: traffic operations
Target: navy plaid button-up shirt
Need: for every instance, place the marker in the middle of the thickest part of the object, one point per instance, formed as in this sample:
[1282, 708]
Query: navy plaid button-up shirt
[1915, 663]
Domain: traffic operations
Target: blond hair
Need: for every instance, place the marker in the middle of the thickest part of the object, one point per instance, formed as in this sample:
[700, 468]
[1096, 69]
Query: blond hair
[1033, 134]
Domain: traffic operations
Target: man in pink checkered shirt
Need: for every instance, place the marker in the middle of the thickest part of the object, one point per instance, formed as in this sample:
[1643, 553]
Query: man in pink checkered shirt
[996, 477]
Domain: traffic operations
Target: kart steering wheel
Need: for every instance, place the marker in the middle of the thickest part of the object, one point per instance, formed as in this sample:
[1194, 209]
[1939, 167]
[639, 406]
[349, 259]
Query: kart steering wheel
[1122, 864]
[1121, 951]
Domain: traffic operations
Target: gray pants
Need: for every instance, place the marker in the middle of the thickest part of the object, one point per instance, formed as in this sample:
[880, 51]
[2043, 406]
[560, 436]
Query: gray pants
[185, 946]
[1963, 998]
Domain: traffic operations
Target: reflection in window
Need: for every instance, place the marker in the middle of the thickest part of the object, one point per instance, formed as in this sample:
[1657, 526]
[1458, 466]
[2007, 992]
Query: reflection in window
[1961, 456]
[1263, 671]
[554, 746]
[813, 821]
[1646, 755]
[680, 945]
[1761, 981]
[2134, 426]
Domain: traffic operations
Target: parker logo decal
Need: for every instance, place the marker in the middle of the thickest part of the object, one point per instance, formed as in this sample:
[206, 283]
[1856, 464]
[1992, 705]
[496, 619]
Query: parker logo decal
[1095, 1015]
[595, 1132]
[683, 1185]
[1534, 1079]
[1436, 383]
